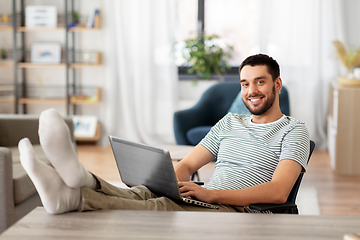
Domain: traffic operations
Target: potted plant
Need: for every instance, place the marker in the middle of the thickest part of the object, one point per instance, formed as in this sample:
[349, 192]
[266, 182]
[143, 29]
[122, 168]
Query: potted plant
[75, 17]
[207, 56]
[3, 53]
[349, 58]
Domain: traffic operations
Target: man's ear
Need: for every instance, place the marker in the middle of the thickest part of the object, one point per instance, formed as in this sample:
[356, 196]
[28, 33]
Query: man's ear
[278, 84]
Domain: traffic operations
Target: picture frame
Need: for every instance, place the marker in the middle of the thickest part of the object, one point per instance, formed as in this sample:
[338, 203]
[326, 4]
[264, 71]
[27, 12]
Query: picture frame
[85, 126]
[46, 52]
[41, 16]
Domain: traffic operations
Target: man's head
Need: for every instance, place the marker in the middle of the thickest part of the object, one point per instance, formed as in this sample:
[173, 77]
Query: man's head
[260, 84]
[262, 59]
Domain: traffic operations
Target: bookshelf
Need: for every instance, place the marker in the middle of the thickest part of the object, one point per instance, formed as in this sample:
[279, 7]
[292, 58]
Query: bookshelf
[69, 70]
[69, 64]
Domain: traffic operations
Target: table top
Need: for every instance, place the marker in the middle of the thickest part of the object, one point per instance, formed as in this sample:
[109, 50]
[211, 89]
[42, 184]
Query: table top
[120, 224]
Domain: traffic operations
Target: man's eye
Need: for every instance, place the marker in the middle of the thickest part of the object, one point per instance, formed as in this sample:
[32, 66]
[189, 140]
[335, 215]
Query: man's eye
[244, 85]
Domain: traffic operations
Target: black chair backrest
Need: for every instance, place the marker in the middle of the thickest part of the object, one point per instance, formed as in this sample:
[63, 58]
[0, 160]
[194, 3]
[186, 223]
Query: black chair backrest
[295, 189]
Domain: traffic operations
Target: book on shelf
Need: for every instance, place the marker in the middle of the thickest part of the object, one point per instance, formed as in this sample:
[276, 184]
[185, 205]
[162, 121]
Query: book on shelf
[94, 19]
[352, 236]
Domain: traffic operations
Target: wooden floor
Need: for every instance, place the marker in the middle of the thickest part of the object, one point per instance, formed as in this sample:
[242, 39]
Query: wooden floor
[338, 195]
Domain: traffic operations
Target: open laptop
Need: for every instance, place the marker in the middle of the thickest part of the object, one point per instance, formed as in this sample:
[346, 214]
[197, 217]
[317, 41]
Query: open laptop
[140, 164]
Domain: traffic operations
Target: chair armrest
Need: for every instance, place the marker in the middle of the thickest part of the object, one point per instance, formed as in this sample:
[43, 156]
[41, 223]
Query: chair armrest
[6, 189]
[274, 208]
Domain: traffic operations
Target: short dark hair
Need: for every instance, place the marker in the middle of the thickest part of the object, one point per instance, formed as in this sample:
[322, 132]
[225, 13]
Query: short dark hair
[262, 59]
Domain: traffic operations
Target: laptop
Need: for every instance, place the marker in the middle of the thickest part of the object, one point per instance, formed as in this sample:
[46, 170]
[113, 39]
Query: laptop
[140, 164]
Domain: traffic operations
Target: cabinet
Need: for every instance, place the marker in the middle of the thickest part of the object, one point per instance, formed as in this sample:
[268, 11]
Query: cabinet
[69, 91]
[344, 129]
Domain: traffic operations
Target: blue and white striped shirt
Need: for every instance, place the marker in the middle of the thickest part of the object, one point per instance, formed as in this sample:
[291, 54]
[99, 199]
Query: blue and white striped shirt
[248, 153]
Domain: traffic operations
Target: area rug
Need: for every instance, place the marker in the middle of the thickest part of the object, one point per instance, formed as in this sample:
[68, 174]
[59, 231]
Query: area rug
[306, 200]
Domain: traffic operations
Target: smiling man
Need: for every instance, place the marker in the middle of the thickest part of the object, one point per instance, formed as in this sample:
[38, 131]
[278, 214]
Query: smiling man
[259, 158]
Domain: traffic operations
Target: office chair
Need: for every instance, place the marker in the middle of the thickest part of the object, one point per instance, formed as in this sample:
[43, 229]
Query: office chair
[289, 206]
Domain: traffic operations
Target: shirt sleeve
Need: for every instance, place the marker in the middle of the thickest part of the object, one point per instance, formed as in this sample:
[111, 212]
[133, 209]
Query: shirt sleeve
[296, 145]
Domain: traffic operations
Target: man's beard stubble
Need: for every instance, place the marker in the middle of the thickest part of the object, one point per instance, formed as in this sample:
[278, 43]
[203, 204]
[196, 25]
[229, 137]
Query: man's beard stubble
[266, 106]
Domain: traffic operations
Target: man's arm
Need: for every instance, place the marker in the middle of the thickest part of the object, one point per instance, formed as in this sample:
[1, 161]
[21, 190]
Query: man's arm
[275, 191]
[195, 159]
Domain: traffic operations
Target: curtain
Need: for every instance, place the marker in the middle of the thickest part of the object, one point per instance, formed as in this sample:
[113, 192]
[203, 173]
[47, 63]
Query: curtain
[140, 82]
[299, 35]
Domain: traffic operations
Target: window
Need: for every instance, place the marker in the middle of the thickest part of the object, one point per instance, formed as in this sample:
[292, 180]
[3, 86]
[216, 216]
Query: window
[235, 21]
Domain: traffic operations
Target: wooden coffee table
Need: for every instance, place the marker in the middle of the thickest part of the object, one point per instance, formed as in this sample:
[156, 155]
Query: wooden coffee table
[121, 224]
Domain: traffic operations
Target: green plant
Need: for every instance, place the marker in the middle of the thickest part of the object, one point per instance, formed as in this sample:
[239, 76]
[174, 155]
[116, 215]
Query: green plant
[207, 56]
[3, 53]
[75, 17]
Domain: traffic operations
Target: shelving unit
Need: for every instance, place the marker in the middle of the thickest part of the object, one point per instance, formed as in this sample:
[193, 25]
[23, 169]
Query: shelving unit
[21, 64]
[6, 64]
[69, 65]
[39, 29]
[7, 99]
[38, 65]
[6, 28]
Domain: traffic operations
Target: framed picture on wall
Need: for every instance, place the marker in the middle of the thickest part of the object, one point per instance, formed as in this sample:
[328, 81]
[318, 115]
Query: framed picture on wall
[46, 52]
[85, 126]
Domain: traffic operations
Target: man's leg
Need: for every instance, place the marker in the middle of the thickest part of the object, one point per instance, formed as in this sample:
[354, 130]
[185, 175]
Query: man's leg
[55, 195]
[71, 177]
[136, 198]
[55, 140]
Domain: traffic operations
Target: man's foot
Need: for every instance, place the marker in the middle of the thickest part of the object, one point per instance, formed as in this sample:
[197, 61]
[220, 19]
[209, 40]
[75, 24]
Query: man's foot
[56, 142]
[55, 195]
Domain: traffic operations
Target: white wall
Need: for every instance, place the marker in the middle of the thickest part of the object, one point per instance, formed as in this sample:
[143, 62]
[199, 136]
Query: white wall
[352, 22]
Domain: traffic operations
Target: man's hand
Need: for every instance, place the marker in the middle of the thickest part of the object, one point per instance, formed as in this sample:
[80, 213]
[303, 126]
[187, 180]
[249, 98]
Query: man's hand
[190, 189]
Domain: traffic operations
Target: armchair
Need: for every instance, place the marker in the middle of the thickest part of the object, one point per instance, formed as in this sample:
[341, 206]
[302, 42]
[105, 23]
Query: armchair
[18, 195]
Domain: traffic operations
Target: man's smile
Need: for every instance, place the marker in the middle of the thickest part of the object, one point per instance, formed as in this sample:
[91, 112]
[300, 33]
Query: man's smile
[255, 99]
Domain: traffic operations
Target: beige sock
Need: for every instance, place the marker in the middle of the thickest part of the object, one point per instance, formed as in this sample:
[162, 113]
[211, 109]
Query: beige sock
[55, 195]
[56, 142]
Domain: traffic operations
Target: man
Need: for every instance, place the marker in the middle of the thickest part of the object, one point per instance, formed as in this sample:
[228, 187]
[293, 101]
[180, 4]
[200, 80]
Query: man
[259, 157]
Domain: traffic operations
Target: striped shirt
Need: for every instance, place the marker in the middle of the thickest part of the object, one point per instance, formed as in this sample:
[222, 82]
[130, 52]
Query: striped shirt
[248, 153]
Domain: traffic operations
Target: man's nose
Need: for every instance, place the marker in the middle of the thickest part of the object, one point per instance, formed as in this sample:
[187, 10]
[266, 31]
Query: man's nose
[252, 89]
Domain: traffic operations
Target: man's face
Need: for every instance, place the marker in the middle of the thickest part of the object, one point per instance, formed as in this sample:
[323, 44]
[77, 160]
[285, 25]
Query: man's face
[257, 89]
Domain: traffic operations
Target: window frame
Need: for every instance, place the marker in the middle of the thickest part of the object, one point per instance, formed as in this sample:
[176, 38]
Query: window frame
[231, 74]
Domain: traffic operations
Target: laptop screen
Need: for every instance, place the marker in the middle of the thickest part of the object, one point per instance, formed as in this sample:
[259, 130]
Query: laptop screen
[140, 164]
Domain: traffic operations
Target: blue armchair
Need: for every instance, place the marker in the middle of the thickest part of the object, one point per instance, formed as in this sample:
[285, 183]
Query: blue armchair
[192, 124]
